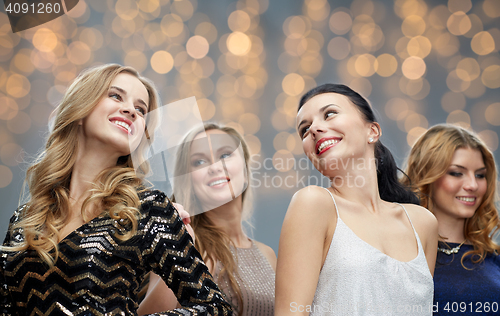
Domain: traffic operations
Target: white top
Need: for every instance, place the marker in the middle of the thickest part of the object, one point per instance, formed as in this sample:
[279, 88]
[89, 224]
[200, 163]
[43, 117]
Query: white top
[359, 279]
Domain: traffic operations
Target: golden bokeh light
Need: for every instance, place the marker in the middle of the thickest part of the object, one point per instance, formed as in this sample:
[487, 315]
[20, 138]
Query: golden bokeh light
[365, 65]
[404, 8]
[197, 47]
[482, 43]
[361, 85]
[8, 108]
[296, 27]
[278, 122]
[11, 154]
[22, 62]
[162, 62]
[468, 69]
[438, 17]
[339, 48]
[126, 9]
[460, 5]
[17, 86]
[386, 65]
[238, 43]
[239, 21]
[458, 23]
[136, 59]
[415, 120]
[45, 40]
[492, 114]
[225, 85]
[20, 123]
[207, 109]
[250, 123]
[491, 8]
[172, 25]
[340, 22]
[293, 84]
[413, 67]
[476, 89]
[92, 37]
[446, 44]
[279, 141]
[245, 86]
[317, 10]
[5, 176]
[183, 8]
[283, 160]
[149, 6]
[395, 108]
[460, 118]
[413, 25]
[476, 25]
[295, 46]
[491, 77]
[207, 30]
[452, 101]
[419, 46]
[414, 134]
[490, 138]
[456, 83]
[253, 143]
[78, 53]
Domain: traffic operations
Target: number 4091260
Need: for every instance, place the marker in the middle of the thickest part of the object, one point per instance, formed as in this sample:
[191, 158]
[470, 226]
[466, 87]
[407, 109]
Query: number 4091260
[33, 8]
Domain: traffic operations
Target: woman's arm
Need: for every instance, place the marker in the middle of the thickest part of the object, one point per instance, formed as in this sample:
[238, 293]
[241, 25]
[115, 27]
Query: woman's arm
[304, 242]
[168, 251]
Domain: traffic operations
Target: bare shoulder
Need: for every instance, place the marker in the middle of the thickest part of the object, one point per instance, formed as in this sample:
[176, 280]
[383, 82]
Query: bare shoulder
[316, 198]
[424, 221]
[268, 252]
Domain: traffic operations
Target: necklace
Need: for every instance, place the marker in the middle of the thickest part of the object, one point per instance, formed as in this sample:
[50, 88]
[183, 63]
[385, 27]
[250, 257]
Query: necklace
[452, 250]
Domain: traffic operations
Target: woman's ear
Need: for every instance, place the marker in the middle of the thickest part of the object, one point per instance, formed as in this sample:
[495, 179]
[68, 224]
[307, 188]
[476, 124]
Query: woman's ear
[375, 132]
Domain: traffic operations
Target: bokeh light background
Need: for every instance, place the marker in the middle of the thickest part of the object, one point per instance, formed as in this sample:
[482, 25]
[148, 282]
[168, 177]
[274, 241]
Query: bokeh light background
[248, 62]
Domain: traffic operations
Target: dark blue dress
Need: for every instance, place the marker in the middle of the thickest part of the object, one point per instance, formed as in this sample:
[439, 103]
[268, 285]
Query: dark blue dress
[458, 291]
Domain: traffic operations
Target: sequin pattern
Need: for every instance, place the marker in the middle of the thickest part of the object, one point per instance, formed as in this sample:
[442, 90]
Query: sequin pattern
[96, 274]
[255, 278]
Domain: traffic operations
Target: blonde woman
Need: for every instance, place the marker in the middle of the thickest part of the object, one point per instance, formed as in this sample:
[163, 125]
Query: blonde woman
[90, 232]
[212, 176]
[455, 175]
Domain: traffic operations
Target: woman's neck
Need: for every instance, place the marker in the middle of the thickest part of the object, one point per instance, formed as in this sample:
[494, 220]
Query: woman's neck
[450, 229]
[228, 217]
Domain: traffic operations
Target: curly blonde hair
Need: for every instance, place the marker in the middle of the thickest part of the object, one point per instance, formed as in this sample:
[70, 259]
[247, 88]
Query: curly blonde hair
[429, 160]
[48, 179]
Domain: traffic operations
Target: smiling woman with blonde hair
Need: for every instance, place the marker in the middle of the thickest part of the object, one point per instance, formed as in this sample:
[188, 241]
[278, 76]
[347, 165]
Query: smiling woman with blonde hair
[90, 231]
[455, 175]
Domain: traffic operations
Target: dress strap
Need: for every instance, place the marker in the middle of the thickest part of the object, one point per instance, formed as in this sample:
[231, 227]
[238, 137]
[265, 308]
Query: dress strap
[335, 203]
[411, 223]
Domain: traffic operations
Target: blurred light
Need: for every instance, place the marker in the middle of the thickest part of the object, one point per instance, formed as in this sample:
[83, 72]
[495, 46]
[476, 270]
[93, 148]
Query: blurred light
[283, 160]
[278, 122]
[162, 62]
[225, 85]
[452, 101]
[340, 22]
[386, 65]
[459, 5]
[245, 86]
[8, 108]
[5, 176]
[22, 62]
[207, 30]
[482, 43]
[490, 138]
[123, 28]
[446, 44]
[295, 47]
[317, 10]
[20, 123]
[419, 46]
[460, 118]
[11, 154]
[172, 25]
[476, 89]
[413, 67]
[413, 26]
[455, 83]
[207, 109]
[365, 65]
[458, 23]
[197, 47]
[126, 9]
[476, 26]
[136, 59]
[414, 134]
[311, 63]
[279, 141]
[339, 48]
[468, 69]
[296, 27]
[293, 84]
[491, 8]
[404, 8]
[491, 77]
[18, 86]
[183, 8]
[149, 6]
[239, 21]
[492, 114]
[396, 107]
[253, 143]
[250, 123]
[402, 47]
[92, 37]
[238, 43]
[78, 53]
[362, 86]
[45, 40]
[438, 17]
[288, 63]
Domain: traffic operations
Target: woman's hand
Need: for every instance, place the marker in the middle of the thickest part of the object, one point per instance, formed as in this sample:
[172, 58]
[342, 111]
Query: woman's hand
[186, 219]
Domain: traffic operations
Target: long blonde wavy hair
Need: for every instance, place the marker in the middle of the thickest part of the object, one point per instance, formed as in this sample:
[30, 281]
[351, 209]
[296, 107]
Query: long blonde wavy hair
[48, 179]
[429, 160]
[211, 241]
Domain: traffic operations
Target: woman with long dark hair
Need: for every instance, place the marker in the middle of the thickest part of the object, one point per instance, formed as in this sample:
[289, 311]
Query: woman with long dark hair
[455, 175]
[90, 231]
[361, 246]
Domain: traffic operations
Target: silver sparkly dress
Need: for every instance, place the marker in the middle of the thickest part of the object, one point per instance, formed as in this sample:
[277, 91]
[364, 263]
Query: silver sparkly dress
[358, 279]
[256, 280]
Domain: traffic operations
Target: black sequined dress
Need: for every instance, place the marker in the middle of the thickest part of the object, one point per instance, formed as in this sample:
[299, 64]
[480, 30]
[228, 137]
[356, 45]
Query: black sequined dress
[96, 274]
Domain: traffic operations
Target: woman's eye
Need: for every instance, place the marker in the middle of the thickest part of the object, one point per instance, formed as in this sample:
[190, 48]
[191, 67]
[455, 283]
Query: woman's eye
[225, 155]
[454, 174]
[197, 163]
[115, 96]
[141, 110]
[330, 113]
[481, 176]
[304, 131]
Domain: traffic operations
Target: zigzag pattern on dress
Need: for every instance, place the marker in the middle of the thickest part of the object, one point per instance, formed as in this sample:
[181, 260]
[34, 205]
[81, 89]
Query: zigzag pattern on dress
[96, 274]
